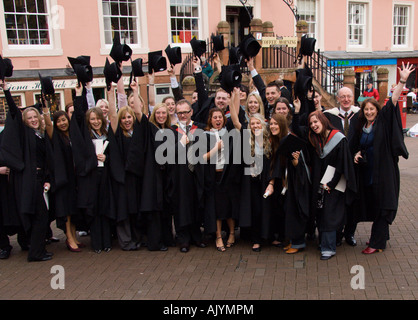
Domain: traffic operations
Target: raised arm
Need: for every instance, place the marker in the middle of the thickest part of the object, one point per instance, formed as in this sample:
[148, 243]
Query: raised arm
[113, 113]
[49, 127]
[14, 110]
[89, 96]
[175, 87]
[234, 110]
[137, 106]
[151, 91]
[404, 73]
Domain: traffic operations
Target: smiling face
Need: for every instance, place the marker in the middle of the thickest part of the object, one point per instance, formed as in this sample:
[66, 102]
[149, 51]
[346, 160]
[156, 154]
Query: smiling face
[370, 112]
[281, 108]
[317, 100]
[345, 98]
[32, 120]
[315, 125]
[256, 126]
[171, 105]
[105, 108]
[253, 105]
[272, 94]
[127, 121]
[63, 124]
[217, 120]
[184, 113]
[274, 127]
[161, 115]
[222, 100]
[95, 122]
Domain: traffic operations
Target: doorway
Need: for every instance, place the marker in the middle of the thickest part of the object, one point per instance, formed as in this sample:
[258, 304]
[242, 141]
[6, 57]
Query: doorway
[239, 22]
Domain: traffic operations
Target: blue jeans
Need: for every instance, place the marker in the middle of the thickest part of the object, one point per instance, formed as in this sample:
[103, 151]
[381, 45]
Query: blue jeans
[328, 243]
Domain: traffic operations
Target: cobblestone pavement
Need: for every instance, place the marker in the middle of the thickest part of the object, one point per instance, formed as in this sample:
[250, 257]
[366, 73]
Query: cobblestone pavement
[237, 274]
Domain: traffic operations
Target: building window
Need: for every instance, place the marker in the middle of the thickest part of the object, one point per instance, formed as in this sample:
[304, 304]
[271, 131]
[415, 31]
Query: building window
[27, 22]
[307, 12]
[184, 18]
[121, 16]
[4, 107]
[356, 24]
[400, 25]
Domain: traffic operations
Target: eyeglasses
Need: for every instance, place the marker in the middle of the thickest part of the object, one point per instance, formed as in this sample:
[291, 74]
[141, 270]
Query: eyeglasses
[183, 113]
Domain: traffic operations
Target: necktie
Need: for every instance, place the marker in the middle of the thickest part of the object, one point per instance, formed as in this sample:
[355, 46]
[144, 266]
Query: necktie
[346, 124]
[189, 150]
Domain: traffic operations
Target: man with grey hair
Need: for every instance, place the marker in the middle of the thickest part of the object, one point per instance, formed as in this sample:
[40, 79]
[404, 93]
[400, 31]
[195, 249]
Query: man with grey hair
[344, 118]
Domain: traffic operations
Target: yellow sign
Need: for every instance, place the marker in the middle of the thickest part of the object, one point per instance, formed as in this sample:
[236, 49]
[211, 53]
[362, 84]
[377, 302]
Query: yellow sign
[291, 42]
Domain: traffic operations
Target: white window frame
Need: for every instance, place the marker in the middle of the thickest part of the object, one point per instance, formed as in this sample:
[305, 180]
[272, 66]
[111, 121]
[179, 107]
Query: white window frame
[409, 29]
[203, 26]
[316, 15]
[55, 12]
[367, 45]
[142, 46]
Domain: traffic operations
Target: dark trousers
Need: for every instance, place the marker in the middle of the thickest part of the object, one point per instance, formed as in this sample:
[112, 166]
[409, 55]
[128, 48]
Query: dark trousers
[100, 233]
[39, 225]
[4, 239]
[379, 234]
[256, 210]
[187, 234]
[151, 226]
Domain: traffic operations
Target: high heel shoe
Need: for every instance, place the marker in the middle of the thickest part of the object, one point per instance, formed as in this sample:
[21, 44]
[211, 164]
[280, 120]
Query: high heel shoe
[230, 244]
[369, 250]
[71, 248]
[220, 248]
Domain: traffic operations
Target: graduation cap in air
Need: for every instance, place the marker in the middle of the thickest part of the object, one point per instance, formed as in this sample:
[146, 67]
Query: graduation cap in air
[6, 68]
[156, 61]
[112, 73]
[173, 55]
[234, 55]
[198, 46]
[307, 45]
[249, 46]
[82, 68]
[230, 77]
[120, 52]
[136, 69]
[218, 42]
[47, 86]
[303, 82]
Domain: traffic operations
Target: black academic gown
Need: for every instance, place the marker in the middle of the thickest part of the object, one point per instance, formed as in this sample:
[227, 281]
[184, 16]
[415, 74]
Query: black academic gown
[332, 216]
[18, 148]
[185, 188]
[93, 182]
[388, 146]
[229, 182]
[9, 218]
[126, 161]
[297, 196]
[263, 206]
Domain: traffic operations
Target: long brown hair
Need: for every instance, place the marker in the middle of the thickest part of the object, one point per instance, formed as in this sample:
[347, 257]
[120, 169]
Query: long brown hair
[99, 114]
[211, 112]
[275, 140]
[361, 118]
[318, 140]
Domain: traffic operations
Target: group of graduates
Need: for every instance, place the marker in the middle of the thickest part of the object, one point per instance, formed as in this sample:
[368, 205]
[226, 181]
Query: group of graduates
[95, 167]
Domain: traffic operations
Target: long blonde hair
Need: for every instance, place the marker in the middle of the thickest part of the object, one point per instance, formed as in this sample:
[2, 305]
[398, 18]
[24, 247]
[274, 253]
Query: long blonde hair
[121, 114]
[260, 103]
[40, 118]
[167, 122]
[266, 136]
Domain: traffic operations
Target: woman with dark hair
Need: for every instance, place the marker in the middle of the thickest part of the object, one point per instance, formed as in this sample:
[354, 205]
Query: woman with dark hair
[102, 211]
[222, 179]
[294, 180]
[333, 181]
[27, 152]
[282, 106]
[377, 145]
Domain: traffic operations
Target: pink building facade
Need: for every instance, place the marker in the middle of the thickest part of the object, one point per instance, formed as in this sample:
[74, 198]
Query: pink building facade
[39, 35]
